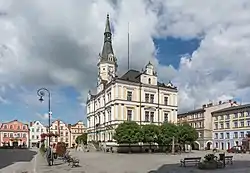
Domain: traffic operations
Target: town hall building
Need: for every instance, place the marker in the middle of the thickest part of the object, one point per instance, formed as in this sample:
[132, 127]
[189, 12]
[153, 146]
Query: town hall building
[135, 96]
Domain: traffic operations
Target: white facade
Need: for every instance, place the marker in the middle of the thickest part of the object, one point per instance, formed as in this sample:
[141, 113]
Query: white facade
[36, 129]
[135, 96]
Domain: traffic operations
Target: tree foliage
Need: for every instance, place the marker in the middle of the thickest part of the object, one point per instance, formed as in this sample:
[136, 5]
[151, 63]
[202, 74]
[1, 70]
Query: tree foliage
[150, 133]
[167, 132]
[186, 134]
[131, 133]
[128, 133]
[82, 139]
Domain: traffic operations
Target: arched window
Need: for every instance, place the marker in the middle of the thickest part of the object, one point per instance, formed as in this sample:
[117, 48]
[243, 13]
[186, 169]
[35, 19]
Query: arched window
[149, 81]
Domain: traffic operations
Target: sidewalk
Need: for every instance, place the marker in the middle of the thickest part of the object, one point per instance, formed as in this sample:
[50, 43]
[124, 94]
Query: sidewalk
[59, 166]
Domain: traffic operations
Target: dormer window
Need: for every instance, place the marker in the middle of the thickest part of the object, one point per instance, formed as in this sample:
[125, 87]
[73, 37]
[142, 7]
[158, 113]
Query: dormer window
[5, 126]
[149, 81]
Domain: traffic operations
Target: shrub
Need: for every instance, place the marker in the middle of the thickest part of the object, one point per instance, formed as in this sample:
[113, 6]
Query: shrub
[42, 149]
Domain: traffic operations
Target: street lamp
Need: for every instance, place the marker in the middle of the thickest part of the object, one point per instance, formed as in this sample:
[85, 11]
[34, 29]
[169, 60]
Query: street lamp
[41, 93]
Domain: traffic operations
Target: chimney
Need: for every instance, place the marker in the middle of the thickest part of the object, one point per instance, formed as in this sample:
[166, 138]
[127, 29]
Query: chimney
[220, 102]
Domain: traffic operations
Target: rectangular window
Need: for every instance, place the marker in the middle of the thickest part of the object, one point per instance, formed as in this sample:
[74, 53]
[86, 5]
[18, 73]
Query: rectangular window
[147, 116]
[200, 125]
[235, 134]
[165, 117]
[227, 125]
[222, 126]
[248, 123]
[221, 117]
[236, 115]
[146, 97]
[227, 135]
[152, 98]
[242, 134]
[129, 115]
[33, 137]
[221, 135]
[32, 130]
[216, 126]
[24, 135]
[11, 135]
[227, 117]
[129, 95]
[37, 130]
[236, 124]
[165, 100]
[152, 115]
[216, 136]
[242, 124]
[61, 127]
[37, 137]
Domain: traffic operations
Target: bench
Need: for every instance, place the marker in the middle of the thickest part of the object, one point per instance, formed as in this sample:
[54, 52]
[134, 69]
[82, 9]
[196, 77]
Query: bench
[229, 159]
[192, 160]
[73, 161]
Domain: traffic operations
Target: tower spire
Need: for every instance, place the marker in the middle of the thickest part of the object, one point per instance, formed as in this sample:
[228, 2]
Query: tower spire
[107, 49]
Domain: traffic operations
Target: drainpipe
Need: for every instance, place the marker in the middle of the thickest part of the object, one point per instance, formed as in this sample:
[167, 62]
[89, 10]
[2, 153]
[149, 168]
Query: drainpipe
[140, 100]
[158, 105]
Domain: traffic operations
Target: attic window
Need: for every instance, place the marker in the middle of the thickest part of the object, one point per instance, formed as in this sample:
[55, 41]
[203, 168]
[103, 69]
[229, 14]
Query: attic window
[149, 81]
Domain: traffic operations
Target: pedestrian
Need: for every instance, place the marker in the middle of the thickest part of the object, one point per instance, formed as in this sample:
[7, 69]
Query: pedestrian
[49, 156]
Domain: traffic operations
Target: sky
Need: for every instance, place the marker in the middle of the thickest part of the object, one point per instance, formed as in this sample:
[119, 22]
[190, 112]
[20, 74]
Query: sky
[203, 47]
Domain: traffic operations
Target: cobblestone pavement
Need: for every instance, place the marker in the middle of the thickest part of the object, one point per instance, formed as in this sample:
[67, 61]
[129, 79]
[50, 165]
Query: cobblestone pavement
[97, 162]
[17, 160]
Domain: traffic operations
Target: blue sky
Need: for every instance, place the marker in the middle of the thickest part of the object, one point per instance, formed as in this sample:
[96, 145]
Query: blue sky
[70, 110]
[56, 45]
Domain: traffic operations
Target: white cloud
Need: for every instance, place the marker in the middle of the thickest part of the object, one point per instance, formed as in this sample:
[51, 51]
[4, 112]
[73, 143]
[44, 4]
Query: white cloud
[57, 43]
[44, 116]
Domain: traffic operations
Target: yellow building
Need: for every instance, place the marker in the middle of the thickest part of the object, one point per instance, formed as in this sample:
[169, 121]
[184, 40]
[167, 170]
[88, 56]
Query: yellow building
[76, 129]
[201, 120]
[135, 96]
[230, 126]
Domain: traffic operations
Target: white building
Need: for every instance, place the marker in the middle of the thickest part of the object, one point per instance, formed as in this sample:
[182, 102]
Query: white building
[36, 129]
[135, 96]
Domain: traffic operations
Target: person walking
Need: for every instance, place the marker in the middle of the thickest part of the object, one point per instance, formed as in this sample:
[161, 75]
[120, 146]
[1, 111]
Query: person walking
[49, 156]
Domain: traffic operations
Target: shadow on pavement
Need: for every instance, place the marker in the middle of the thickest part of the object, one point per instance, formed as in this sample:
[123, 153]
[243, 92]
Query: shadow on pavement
[11, 156]
[237, 166]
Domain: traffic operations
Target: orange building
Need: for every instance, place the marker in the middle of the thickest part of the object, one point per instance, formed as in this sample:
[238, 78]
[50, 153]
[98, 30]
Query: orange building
[14, 133]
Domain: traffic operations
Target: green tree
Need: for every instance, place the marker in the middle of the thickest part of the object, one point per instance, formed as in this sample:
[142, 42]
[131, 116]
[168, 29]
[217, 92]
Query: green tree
[82, 139]
[167, 132]
[186, 134]
[128, 133]
[150, 134]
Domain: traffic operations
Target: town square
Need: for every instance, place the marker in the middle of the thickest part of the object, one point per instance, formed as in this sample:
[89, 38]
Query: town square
[115, 86]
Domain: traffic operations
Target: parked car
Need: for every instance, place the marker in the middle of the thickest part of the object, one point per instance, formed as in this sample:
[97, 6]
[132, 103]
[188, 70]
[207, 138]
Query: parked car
[236, 149]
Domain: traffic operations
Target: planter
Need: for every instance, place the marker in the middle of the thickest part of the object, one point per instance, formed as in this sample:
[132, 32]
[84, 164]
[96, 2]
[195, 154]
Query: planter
[208, 165]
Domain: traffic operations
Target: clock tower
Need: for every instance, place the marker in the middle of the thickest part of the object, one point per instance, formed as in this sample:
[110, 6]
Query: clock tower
[107, 65]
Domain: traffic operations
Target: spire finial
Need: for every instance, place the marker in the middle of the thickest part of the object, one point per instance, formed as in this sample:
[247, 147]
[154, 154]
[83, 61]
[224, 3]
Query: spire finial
[107, 28]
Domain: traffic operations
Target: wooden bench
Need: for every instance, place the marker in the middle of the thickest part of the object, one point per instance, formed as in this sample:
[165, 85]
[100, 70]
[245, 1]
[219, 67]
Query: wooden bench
[192, 160]
[229, 159]
[73, 161]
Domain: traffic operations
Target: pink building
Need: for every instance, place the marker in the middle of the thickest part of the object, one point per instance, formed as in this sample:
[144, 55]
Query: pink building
[14, 133]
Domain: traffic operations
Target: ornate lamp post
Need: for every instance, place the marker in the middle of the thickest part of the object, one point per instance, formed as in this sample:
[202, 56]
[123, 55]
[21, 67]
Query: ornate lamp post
[41, 93]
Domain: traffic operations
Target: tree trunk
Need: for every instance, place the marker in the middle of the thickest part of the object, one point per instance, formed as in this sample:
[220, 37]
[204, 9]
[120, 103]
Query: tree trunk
[173, 147]
[129, 148]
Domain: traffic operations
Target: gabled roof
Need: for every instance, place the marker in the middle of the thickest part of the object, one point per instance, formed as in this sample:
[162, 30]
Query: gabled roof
[233, 108]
